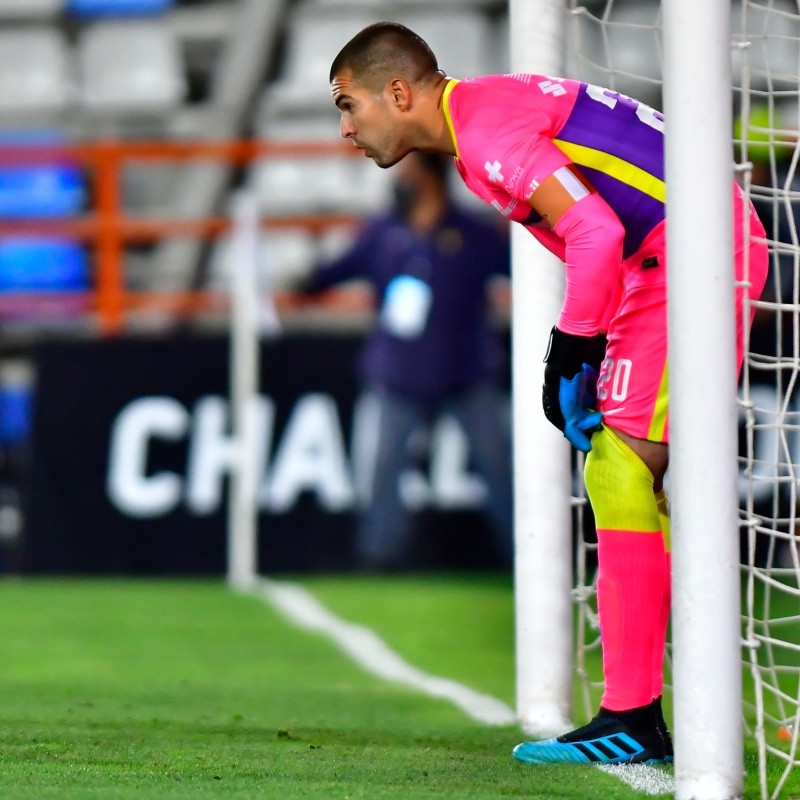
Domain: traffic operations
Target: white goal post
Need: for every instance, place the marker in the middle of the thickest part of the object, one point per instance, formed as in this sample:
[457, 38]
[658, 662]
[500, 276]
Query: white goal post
[706, 658]
[542, 472]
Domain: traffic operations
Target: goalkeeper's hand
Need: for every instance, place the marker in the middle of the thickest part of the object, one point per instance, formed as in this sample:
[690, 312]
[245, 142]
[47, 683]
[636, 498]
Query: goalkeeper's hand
[570, 380]
[577, 398]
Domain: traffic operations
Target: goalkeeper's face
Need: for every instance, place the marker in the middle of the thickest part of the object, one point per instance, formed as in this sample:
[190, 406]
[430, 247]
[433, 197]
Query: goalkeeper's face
[373, 120]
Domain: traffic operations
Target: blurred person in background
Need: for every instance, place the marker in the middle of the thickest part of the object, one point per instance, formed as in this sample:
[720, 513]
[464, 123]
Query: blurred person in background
[433, 348]
[582, 168]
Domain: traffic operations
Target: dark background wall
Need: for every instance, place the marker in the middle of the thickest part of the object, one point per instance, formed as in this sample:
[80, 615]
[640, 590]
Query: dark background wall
[131, 448]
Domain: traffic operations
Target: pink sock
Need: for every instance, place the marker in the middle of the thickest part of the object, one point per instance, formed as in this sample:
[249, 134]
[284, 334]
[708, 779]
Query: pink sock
[630, 598]
[660, 640]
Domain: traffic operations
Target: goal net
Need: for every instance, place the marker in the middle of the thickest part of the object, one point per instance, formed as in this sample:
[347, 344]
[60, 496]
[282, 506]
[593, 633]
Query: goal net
[617, 43]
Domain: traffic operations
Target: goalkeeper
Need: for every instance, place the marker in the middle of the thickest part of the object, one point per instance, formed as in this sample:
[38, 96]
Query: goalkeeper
[582, 168]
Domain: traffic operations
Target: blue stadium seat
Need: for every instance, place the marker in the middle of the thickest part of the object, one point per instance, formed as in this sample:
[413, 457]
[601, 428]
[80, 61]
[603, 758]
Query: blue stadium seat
[15, 413]
[41, 265]
[39, 190]
[118, 8]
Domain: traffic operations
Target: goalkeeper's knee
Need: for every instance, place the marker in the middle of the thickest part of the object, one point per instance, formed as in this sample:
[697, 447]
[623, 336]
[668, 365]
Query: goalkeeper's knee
[619, 485]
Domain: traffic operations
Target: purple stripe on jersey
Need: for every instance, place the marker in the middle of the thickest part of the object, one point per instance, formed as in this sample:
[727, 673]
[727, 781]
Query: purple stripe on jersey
[618, 130]
[638, 212]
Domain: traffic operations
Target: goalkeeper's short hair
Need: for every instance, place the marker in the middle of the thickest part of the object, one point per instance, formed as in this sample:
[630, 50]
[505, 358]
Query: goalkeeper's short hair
[385, 50]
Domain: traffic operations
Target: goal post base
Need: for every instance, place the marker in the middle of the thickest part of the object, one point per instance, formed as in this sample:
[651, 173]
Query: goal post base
[545, 721]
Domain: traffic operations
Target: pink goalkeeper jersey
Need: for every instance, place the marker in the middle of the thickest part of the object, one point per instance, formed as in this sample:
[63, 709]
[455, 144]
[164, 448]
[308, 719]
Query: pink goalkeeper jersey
[513, 131]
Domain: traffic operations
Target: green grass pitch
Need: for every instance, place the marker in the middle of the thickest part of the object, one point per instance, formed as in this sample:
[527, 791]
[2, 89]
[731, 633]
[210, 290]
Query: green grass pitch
[158, 689]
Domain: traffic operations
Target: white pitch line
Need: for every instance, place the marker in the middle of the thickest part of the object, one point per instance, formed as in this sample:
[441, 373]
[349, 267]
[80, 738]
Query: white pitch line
[367, 649]
[641, 777]
[372, 653]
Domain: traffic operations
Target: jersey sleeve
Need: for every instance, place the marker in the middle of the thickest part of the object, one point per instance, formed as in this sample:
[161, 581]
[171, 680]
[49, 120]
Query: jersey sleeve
[507, 139]
[549, 238]
[506, 146]
[531, 162]
[593, 237]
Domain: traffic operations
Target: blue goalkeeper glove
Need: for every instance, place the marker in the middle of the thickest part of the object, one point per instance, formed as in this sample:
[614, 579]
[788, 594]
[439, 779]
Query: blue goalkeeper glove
[570, 384]
[576, 397]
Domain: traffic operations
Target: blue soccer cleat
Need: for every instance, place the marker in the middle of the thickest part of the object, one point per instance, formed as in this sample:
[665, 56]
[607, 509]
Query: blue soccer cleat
[605, 740]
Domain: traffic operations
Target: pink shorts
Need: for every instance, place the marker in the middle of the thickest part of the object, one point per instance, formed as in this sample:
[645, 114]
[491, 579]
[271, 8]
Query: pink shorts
[632, 388]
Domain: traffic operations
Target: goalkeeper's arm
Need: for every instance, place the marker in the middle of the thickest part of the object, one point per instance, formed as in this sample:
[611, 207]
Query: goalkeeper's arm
[593, 237]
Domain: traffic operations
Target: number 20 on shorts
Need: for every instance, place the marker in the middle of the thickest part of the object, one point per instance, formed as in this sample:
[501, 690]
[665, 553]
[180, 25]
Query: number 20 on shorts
[614, 378]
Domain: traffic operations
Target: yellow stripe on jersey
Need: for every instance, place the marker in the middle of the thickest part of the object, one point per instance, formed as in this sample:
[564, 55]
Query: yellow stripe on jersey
[446, 106]
[616, 167]
[659, 420]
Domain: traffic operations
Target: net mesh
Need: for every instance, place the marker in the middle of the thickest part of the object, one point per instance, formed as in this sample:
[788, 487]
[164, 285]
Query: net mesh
[617, 44]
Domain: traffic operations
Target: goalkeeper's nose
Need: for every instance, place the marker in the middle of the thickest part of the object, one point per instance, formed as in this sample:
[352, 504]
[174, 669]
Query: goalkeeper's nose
[347, 129]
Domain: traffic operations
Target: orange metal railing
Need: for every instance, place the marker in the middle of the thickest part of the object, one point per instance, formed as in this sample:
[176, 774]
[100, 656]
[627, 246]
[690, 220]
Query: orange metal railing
[109, 230]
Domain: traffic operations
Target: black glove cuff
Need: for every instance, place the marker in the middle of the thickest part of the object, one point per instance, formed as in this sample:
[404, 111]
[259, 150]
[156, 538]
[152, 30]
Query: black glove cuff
[567, 353]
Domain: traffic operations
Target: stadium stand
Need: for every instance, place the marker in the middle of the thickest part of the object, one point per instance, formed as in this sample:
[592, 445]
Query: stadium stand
[130, 69]
[37, 76]
[40, 265]
[118, 8]
[245, 35]
[403, 5]
[216, 70]
[461, 37]
[39, 190]
[29, 9]
[31, 264]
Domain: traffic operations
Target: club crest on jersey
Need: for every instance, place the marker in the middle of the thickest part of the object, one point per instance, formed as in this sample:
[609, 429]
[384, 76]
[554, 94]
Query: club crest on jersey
[552, 87]
[493, 170]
